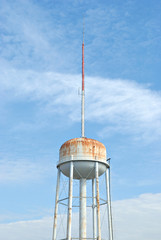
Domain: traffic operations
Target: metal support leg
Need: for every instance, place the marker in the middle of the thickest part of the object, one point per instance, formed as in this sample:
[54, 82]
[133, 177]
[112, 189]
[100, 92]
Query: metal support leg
[94, 208]
[82, 210]
[109, 205]
[56, 205]
[98, 205]
[69, 220]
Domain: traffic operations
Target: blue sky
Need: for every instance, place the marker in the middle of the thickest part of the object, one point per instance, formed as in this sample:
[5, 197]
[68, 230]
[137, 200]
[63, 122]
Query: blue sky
[40, 73]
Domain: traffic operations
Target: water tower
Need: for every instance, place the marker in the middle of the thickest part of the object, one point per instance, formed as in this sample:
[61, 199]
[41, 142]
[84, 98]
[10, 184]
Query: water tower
[84, 159]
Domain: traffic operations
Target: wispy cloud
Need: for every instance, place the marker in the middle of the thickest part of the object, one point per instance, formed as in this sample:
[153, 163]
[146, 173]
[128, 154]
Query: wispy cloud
[33, 38]
[125, 106]
[122, 106]
[20, 171]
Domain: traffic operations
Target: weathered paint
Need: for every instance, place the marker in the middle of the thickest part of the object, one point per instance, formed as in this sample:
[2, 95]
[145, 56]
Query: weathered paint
[98, 205]
[82, 148]
[109, 205]
[84, 152]
[56, 205]
[94, 208]
[69, 220]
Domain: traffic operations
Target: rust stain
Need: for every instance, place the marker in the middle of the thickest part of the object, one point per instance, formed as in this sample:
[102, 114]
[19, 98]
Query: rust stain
[85, 146]
[98, 209]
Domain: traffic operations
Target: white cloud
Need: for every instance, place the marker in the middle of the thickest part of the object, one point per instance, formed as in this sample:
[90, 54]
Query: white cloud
[126, 106]
[137, 218]
[120, 105]
[27, 230]
[33, 37]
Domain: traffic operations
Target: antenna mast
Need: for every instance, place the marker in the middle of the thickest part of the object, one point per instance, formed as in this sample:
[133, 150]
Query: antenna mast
[83, 85]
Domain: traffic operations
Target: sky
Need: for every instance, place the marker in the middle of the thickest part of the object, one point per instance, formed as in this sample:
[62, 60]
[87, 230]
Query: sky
[40, 77]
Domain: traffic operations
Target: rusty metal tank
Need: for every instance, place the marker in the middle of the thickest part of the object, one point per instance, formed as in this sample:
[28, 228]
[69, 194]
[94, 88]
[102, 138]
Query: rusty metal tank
[84, 152]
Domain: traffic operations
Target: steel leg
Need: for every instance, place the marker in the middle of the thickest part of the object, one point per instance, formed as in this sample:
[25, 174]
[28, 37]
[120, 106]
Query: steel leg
[94, 208]
[69, 220]
[82, 210]
[98, 205]
[56, 205]
[109, 205]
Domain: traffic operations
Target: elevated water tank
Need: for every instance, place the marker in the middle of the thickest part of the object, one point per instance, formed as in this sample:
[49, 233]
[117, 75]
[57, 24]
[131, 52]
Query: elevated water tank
[84, 152]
